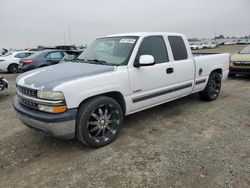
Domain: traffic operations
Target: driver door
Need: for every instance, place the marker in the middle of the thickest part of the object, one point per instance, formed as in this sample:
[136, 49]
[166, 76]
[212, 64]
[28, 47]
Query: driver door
[151, 85]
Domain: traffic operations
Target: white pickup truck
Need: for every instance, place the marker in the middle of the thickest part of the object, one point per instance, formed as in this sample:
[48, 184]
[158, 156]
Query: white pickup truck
[116, 76]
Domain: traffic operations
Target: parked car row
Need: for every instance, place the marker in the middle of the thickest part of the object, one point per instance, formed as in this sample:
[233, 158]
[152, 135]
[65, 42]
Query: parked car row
[203, 46]
[23, 61]
[234, 42]
[9, 62]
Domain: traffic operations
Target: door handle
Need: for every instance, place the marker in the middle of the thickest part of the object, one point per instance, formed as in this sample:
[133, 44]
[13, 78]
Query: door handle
[169, 70]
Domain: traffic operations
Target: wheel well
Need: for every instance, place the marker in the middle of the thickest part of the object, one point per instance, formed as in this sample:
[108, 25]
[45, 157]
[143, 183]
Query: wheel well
[114, 95]
[218, 71]
[12, 64]
[8, 68]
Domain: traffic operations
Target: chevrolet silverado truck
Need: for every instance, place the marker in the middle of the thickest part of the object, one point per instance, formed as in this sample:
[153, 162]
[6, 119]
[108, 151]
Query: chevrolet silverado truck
[115, 76]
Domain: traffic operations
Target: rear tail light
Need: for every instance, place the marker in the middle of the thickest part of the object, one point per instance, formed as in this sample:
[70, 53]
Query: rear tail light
[27, 62]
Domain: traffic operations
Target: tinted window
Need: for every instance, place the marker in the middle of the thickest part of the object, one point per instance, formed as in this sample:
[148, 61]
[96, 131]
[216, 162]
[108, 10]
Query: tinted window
[178, 47]
[55, 55]
[154, 46]
[28, 54]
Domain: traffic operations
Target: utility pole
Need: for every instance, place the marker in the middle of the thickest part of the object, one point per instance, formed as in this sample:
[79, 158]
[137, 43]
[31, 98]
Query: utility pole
[69, 35]
[64, 39]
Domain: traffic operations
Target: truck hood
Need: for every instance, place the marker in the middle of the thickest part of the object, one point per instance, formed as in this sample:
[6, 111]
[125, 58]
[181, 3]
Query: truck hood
[240, 57]
[47, 78]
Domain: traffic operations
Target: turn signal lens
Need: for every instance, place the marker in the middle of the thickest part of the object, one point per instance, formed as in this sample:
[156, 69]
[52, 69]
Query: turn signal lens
[52, 109]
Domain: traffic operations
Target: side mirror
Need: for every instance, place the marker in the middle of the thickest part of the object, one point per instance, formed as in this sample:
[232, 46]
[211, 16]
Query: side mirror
[146, 60]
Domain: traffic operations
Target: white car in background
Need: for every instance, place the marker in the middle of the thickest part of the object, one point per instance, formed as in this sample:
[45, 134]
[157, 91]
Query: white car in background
[209, 45]
[230, 42]
[196, 46]
[9, 62]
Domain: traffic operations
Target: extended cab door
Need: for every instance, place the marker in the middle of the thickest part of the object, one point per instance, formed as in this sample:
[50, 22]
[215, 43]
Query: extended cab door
[151, 85]
[184, 66]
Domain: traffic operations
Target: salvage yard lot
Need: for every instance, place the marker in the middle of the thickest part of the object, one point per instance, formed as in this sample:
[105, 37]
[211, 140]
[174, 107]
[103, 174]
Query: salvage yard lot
[184, 143]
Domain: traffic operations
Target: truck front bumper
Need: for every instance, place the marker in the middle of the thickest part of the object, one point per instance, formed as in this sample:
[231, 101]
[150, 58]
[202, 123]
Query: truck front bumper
[56, 125]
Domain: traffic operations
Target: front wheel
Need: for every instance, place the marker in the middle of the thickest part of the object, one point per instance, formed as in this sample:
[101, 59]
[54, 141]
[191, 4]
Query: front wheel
[212, 89]
[99, 121]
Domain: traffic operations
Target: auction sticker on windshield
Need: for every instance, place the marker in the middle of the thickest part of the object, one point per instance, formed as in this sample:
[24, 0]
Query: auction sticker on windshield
[131, 41]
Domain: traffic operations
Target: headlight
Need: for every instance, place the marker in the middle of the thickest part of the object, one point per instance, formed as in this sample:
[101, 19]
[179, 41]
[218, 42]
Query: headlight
[52, 109]
[50, 95]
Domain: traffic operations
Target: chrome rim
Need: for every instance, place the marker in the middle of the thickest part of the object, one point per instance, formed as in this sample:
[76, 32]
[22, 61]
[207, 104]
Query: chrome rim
[103, 122]
[214, 87]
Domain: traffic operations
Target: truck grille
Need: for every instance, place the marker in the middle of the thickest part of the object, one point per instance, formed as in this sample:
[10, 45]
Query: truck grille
[242, 63]
[28, 103]
[28, 92]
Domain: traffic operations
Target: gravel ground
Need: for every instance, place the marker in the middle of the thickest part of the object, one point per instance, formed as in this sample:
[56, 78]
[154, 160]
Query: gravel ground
[184, 143]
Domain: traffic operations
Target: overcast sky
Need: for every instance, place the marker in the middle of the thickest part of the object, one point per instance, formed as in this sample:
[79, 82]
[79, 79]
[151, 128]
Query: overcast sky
[28, 23]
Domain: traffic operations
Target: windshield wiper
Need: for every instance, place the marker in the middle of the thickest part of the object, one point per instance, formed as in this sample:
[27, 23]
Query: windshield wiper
[97, 61]
[77, 59]
[94, 61]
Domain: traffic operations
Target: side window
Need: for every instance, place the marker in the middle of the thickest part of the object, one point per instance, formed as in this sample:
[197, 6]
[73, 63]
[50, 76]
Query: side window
[154, 46]
[178, 47]
[20, 55]
[55, 55]
[28, 54]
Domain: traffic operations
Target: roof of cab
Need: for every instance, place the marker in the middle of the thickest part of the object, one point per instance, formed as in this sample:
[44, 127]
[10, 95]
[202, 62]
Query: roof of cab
[143, 34]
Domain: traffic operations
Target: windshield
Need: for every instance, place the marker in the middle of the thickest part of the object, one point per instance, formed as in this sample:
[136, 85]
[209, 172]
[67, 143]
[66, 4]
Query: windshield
[246, 50]
[111, 50]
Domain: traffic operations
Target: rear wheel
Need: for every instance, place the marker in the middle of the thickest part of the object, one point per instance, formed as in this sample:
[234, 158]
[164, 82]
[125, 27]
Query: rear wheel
[13, 68]
[99, 121]
[212, 89]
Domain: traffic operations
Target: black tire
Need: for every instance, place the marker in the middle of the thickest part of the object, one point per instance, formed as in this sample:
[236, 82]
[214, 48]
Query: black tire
[231, 75]
[212, 89]
[99, 121]
[13, 68]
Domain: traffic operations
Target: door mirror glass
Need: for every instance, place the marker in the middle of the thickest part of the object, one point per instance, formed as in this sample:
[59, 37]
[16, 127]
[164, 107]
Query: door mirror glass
[146, 60]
